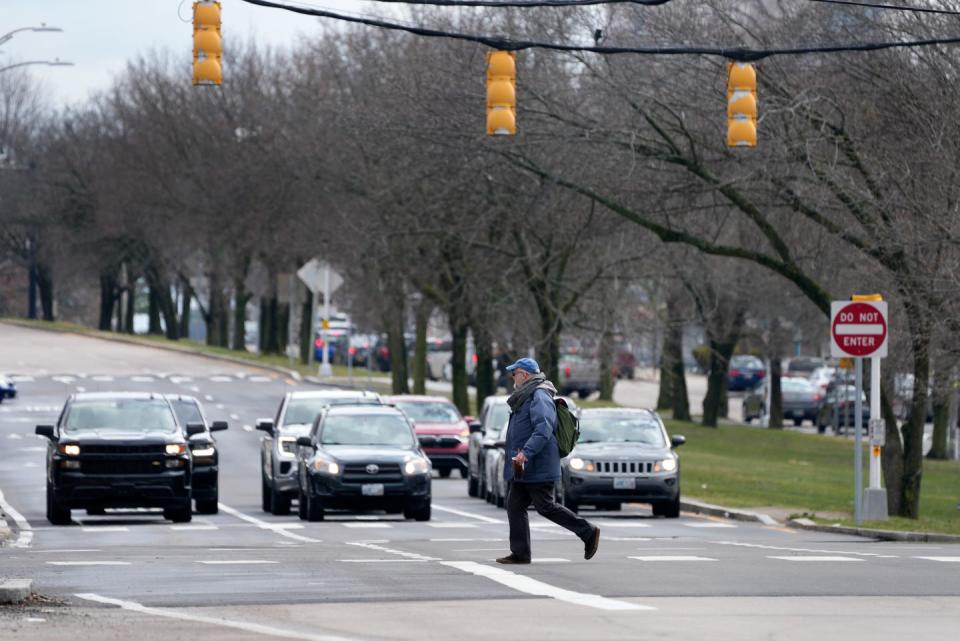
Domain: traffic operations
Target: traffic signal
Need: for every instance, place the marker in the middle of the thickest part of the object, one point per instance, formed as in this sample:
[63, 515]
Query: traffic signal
[741, 105]
[207, 46]
[501, 93]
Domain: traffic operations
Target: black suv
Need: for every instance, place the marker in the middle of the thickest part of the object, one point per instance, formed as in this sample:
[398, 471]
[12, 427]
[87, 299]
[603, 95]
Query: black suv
[121, 449]
[203, 447]
[365, 458]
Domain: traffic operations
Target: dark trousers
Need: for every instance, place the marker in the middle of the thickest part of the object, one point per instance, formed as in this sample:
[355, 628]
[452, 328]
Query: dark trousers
[519, 498]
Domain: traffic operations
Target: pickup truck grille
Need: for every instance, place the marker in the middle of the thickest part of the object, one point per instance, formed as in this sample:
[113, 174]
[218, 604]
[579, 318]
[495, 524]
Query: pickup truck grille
[123, 449]
[439, 441]
[121, 466]
[356, 473]
[624, 467]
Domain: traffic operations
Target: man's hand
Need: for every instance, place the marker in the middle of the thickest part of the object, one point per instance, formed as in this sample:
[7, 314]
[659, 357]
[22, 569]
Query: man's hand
[520, 458]
[518, 462]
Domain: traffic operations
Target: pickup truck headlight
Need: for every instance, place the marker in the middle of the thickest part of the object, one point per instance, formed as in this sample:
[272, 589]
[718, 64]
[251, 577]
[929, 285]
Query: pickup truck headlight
[70, 450]
[416, 466]
[288, 446]
[577, 464]
[326, 466]
[173, 449]
[666, 465]
[204, 452]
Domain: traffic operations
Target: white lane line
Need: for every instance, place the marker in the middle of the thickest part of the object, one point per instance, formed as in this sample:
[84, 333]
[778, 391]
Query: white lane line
[709, 524]
[68, 551]
[81, 389]
[14, 436]
[102, 378]
[551, 560]
[671, 558]
[259, 379]
[941, 559]
[367, 525]
[177, 380]
[275, 527]
[256, 628]
[785, 549]
[451, 525]
[66, 380]
[220, 406]
[72, 563]
[234, 417]
[142, 379]
[221, 379]
[194, 388]
[190, 528]
[379, 548]
[248, 428]
[104, 528]
[459, 540]
[207, 397]
[469, 515]
[529, 585]
[26, 530]
[828, 559]
[622, 524]
[22, 379]
[382, 560]
[239, 562]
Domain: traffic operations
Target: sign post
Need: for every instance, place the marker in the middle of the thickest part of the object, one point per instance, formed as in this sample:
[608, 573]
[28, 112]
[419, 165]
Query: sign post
[318, 275]
[858, 329]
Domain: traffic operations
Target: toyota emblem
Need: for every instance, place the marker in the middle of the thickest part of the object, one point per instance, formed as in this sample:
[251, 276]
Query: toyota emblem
[373, 469]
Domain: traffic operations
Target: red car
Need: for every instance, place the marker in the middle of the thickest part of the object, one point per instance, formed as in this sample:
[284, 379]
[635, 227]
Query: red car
[443, 432]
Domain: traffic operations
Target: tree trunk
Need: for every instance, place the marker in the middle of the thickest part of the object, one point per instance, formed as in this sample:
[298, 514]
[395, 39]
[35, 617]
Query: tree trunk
[720, 353]
[913, 429]
[306, 327]
[485, 371]
[283, 327]
[240, 299]
[271, 326]
[186, 297]
[673, 381]
[215, 313]
[942, 381]
[458, 330]
[131, 307]
[108, 297]
[398, 354]
[775, 420]
[420, 348]
[45, 285]
[548, 348]
[154, 326]
[606, 365]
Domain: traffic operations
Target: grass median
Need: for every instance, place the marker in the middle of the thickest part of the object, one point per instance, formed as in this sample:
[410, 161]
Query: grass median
[809, 474]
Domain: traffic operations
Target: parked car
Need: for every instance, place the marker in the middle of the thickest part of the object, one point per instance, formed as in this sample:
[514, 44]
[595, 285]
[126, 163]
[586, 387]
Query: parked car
[579, 374]
[483, 437]
[278, 448]
[443, 433]
[623, 455]
[801, 401]
[626, 364]
[804, 365]
[362, 458]
[203, 448]
[118, 450]
[822, 377]
[745, 372]
[8, 389]
[838, 410]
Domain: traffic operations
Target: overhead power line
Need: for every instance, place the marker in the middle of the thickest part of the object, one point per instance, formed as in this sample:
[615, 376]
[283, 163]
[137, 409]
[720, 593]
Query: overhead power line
[739, 54]
[891, 7]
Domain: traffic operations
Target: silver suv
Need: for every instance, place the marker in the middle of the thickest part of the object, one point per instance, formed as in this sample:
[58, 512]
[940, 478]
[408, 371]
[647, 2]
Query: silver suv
[278, 448]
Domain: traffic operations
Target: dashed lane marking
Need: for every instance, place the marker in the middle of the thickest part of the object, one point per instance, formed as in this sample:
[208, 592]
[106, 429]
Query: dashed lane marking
[814, 550]
[827, 559]
[207, 397]
[259, 379]
[367, 525]
[710, 525]
[248, 428]
[193, 527]
[623, 524]
[239, 562]
[221, 379]
[532, 586]
[143, 379]
[383, 560]
[234, 417]
[452, 525]
[81, 563]
[469, 515]
[274, 527]
[22, 379]
[379, 548]
[550, 560]
[941, 559]
[14, 436]
[177, 380]
[101, 378]
[458, 540]
[105, 528]
[672, 558]
[256, 628]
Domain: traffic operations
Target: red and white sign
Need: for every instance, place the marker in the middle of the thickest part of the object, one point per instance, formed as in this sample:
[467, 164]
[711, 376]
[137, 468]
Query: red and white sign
[858, 329]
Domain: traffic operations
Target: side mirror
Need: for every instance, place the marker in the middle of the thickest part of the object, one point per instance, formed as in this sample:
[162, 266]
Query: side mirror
[45, 430]
[470, 419]
[195, 428]
[475, 427]
[265, 425]
[677, 441]
[218, 426]
[304, 441]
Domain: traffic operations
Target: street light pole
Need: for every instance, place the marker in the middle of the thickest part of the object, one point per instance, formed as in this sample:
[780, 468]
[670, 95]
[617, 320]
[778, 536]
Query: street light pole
[49, 63]
[43, 27]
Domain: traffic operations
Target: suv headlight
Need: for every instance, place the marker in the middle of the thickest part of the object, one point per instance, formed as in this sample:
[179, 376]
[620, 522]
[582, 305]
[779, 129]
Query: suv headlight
[325, 466]
[666, 465]
[288, 446]
[577, 464]
[416, 466]
[173, 449]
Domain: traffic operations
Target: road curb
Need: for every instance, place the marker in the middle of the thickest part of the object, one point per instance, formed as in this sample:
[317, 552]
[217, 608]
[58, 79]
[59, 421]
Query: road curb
[699, 507]
[883, 535]
[14, 590]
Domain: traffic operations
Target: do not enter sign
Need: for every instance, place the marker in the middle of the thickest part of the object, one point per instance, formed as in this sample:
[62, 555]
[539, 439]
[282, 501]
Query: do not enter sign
[858, 329]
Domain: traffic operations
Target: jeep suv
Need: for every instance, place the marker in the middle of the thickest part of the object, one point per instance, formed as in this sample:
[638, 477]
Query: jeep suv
[118, 450]
[278, 449]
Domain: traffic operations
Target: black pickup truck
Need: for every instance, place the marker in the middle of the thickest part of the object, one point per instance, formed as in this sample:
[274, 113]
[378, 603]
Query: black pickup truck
[118, 450]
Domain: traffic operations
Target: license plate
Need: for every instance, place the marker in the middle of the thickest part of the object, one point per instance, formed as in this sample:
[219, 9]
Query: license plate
[625, 484]
[798, 413]
[372, 489]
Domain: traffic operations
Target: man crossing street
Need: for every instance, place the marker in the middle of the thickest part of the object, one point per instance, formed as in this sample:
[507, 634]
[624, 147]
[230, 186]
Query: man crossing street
[532, 465]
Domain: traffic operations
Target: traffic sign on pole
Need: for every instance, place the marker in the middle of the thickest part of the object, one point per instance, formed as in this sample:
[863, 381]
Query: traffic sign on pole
[858, 329]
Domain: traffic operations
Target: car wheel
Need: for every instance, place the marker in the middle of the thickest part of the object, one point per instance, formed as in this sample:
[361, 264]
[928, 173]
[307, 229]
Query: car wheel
[444, 472]
[208, 506]
[56, 513]
[464, 472]
[667, 509]
[302, 505]
[473, 486]
[280, 503]
[797, 422]
[266, 495]
[419, 513]
[314, 508]
[181, 514]
[96, 511]
[612, 507]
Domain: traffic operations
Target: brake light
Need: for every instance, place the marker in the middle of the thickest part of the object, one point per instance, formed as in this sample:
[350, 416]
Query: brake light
[353, 351]
[566, 371]
[318, 342]
[734, 373]
[761, 373]
[474, 358]
[817, 397]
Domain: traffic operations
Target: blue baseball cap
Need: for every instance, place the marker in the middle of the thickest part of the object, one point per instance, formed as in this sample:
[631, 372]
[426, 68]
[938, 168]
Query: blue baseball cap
[526, 364]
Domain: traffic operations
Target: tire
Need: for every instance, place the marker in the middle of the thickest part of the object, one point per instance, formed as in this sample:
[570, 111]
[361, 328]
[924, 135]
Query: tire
[266, 495]
[182, 514]
[208, 506]
[302, 505]
[797, 422]
[612, 507]
[96, 511]
[279, 503]
[314, 509]
[444, 472]
[420, 513]
[56, 513]
[667, 509]
[464, 473]
[473, 486]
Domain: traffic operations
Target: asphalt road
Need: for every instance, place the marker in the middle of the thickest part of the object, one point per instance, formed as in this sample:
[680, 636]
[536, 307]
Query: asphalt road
[243, 574]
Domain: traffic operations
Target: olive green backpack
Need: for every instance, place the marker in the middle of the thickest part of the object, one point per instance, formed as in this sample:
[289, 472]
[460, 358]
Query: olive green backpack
[568, 427]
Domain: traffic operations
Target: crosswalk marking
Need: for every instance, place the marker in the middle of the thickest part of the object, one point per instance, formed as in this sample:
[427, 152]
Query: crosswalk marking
[73, 563]
[623, 524]
[239, 562]
[941, 559]
[367, 525]
[142, 379]
[193, 527]
[672, 558]
[105, 528]
[710, 524]
[221, 379]
[827, 559]
[452, 525]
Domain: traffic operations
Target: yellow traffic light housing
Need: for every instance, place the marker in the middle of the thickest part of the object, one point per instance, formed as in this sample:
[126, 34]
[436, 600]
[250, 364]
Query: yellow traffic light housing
[741, 105]
[207, 44]
[501, 93]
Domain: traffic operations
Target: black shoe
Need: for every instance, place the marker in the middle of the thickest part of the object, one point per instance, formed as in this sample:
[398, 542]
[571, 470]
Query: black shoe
[513, 560]
[590, 545]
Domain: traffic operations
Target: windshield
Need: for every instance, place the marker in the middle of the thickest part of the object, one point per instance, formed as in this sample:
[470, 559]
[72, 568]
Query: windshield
[187, 412]
[367, 429]
[497, 419]
[302, 411]
[746, 362]
[430, 412]
[123, 415]
[615, 428]
[796, 385]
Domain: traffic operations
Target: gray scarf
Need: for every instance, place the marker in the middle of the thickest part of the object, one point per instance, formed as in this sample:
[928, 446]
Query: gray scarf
[525, 391]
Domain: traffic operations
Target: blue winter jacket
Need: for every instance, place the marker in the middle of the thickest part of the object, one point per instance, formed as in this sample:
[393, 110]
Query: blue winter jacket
[532, 428]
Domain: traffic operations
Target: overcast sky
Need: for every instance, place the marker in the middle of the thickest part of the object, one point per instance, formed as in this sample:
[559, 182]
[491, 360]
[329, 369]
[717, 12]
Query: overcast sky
[101, 35]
